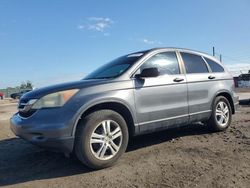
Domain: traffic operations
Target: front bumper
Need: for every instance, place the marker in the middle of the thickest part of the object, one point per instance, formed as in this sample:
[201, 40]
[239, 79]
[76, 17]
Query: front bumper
[51, 137]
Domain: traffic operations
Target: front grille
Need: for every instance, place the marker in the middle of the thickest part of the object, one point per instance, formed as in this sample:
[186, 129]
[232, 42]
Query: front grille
[24, 108]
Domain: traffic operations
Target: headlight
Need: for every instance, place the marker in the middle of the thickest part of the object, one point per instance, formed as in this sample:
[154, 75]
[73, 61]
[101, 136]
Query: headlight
[52, 100]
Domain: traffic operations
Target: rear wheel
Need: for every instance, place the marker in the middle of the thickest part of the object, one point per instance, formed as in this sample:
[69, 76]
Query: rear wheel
[221, 114]
[101, 138]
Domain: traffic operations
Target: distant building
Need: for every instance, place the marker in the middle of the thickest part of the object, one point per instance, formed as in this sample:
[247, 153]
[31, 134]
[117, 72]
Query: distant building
[242, 80]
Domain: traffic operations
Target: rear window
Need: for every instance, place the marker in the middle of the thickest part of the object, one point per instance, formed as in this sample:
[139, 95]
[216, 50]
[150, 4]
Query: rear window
[215, 67]
[194, 63]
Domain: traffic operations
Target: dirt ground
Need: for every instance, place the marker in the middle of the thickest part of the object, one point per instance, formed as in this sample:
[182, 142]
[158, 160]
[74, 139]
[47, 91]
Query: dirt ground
[184, 157]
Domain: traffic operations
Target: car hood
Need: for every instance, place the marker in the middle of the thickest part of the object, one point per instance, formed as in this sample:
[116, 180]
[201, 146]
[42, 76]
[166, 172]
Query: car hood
[38, 93]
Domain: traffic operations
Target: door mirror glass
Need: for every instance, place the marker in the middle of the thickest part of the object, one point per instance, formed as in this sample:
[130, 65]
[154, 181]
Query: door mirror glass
[148, 72]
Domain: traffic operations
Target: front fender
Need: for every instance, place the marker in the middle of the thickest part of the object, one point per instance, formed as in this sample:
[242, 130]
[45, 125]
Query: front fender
[129, 104]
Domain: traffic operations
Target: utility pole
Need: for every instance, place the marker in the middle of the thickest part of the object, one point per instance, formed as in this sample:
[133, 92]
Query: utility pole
[214, 54]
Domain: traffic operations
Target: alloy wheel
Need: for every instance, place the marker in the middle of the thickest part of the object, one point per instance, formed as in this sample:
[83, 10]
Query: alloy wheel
[222, 113]
[106, 140]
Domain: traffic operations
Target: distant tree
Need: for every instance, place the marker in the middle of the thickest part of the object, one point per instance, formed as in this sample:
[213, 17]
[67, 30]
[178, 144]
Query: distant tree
[23, 85]
[26, 85]
[29, 85]
[17, 88]
[248, 71]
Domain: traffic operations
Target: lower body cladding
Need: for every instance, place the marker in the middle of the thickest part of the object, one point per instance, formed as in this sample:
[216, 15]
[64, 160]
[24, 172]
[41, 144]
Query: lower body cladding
[49, 136]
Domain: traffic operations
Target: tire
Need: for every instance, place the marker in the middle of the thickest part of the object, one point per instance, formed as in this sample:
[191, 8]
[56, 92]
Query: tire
[102, 152]
[221, 118]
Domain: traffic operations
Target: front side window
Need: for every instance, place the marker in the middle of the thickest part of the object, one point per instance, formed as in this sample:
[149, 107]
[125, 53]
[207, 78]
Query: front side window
[194, 63]
[165, 62]
[215, 67]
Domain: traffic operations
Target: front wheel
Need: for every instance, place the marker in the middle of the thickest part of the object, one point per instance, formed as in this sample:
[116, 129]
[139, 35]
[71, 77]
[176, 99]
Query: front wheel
[101, 138]
[221, 114]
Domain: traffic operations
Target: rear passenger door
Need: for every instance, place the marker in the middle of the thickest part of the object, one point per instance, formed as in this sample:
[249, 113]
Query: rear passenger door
[200, 86]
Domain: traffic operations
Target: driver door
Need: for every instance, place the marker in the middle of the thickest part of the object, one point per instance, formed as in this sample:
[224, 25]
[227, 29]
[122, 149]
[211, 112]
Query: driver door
[161, 101]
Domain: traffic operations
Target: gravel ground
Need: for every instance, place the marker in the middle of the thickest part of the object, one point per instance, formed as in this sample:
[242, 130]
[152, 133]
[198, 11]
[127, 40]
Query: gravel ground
[184, 157]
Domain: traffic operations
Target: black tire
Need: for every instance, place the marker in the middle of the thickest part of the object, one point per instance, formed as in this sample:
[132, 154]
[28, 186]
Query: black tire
[213, 122]
[84, 130]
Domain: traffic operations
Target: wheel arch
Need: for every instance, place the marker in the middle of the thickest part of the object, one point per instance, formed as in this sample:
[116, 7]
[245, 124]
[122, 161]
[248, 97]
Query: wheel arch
[116, 106]
[228, 96]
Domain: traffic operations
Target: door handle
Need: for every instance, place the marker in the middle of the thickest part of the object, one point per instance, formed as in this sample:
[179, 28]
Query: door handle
[211, 77]
[178, 79]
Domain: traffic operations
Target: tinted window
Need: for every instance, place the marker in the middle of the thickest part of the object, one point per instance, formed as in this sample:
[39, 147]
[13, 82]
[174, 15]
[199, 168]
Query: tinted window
[194, 63]
[116, 67]
[166, 63]
[215, 67]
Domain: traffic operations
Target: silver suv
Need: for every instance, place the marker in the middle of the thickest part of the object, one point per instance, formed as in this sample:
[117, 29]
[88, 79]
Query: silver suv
[134, 94]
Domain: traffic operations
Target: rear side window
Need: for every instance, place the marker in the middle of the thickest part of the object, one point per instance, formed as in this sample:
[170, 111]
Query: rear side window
[166, 63]
[194, 63]
[215, 67]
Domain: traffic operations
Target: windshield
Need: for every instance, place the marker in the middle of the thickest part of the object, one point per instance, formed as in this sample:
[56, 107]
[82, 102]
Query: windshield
[116, 67]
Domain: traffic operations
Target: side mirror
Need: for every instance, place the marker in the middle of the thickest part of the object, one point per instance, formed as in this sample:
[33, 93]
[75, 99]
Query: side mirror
[148, 73]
